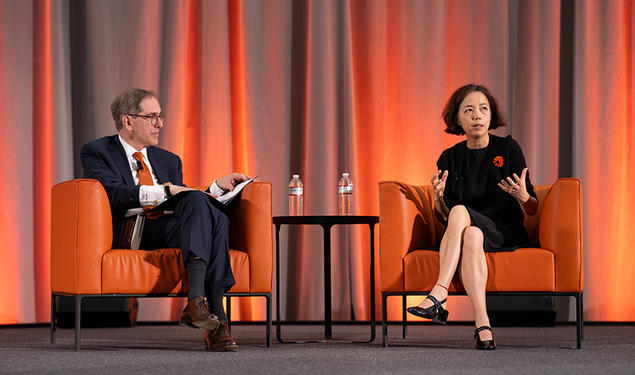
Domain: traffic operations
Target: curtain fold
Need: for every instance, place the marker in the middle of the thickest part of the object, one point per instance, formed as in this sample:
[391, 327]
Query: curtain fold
[278, 87]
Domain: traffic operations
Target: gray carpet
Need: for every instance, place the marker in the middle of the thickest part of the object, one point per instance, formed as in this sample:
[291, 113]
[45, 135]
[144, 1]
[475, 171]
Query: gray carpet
[164, 349]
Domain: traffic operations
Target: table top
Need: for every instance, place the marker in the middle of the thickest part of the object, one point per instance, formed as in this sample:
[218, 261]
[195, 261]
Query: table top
[326, 219]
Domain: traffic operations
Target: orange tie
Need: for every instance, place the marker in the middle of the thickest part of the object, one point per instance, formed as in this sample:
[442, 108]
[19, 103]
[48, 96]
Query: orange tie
[145, 178]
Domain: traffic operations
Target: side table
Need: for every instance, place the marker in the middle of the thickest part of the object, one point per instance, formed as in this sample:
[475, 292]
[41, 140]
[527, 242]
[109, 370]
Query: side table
[327, 222]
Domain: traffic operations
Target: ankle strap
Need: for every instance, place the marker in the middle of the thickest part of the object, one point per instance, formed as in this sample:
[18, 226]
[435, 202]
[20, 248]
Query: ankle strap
[442, 286]
[483, 328]
[436, 301]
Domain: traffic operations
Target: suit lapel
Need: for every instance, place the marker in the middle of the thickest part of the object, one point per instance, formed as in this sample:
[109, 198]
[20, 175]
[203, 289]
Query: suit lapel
[119, 156]
[157, 165]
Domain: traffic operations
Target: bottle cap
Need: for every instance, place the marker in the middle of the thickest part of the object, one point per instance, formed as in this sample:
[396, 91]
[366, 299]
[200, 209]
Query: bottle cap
[296, 176]
[345, 174]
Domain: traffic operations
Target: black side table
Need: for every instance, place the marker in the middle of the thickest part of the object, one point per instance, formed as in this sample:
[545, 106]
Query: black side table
[327, 222]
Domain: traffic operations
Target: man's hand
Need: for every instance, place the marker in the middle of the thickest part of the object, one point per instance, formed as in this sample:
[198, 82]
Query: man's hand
[228, 182]
[175, 189]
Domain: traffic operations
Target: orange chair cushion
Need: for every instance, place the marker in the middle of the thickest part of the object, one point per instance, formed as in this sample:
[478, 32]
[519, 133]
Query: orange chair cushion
[159, 271]
[521, 270]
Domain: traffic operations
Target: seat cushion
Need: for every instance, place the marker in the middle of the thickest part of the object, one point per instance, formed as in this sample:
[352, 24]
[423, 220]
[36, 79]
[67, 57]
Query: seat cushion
[521, 270]
[159, 271]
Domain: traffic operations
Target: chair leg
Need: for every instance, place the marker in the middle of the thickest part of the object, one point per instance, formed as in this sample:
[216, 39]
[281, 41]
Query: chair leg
[579, 321]
[78, 321]
[384, 321]
[268, 300]
[53, 299]
[228, 311]
[582, 316]
[404, 318]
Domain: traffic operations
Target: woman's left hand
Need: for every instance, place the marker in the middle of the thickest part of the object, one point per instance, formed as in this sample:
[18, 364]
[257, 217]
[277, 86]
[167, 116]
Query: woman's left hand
[516, 187]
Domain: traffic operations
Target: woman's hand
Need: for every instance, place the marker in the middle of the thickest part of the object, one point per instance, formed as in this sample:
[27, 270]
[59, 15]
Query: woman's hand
[438, 184]
[516, 187]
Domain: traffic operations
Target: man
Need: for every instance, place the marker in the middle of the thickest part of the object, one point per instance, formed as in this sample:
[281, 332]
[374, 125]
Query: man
[135, 173]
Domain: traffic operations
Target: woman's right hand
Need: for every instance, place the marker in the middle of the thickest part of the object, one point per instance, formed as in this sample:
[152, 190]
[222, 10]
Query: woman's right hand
[438, 184]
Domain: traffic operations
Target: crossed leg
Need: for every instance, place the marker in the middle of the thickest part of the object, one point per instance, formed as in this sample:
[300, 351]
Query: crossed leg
[473, 273]
[463, 242]
[449, 252]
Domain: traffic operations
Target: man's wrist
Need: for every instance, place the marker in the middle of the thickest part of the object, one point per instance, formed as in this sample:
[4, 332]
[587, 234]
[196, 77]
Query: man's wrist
[166, 189]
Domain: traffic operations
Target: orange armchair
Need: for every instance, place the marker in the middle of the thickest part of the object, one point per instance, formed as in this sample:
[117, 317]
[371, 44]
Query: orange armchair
[553, 265]
[84, 265]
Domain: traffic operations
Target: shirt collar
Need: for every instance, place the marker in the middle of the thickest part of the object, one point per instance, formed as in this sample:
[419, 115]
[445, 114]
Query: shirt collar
[129, 150]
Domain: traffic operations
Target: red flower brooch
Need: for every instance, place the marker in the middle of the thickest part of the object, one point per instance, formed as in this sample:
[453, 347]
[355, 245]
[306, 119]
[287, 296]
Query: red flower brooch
[498, 161]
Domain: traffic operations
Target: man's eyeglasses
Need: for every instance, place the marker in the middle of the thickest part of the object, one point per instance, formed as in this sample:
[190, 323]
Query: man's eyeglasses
[153, 117]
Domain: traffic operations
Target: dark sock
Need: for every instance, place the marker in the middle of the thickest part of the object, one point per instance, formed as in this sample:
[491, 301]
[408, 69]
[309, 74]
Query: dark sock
[215, 300]
[196, 270]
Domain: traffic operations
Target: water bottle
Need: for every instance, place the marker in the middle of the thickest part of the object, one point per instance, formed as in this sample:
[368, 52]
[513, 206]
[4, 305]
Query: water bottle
[296, 196]
[345, 195]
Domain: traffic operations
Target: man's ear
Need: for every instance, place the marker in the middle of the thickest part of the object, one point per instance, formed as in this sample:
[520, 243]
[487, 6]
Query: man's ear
[125, 120]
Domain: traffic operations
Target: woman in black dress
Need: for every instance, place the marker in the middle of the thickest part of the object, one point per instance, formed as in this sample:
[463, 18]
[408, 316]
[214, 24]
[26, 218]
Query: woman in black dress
[481, 189]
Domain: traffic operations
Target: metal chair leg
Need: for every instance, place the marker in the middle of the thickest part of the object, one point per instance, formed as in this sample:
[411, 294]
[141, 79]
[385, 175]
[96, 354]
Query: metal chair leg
[78, 321]
[404, 318]
[228, 311]
[579, 327]
[384, 321]
[53, 299]
[268, 300]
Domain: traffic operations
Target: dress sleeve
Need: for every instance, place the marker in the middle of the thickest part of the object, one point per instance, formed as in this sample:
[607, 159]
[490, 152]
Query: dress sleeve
[517, 164]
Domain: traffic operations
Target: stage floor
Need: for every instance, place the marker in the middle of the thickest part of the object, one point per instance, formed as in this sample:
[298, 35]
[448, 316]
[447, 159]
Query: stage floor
[171, 349]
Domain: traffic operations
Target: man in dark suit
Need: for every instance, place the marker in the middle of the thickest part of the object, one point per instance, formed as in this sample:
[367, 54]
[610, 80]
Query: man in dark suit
[138, 175]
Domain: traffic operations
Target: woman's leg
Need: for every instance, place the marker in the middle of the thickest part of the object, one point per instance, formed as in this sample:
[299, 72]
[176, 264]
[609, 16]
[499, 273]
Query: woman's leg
[473, 272]
[449, 252]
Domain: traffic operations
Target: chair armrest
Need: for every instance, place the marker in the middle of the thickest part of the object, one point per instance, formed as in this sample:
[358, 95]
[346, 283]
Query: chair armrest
[81, 232]
[561, 232]
[251, 231]
[406, 222]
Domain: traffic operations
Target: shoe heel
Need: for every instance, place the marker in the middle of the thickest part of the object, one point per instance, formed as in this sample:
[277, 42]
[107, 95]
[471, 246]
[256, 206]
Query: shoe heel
[441, 317]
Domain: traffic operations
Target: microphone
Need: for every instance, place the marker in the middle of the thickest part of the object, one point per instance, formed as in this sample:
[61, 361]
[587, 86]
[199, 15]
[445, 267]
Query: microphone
[139, 166]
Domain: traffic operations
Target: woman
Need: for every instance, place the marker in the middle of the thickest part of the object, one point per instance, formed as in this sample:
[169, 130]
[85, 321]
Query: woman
[481, 189]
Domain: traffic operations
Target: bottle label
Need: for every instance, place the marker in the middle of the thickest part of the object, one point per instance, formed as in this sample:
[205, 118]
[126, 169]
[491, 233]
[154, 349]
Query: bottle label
[346, 189]
[296, 191]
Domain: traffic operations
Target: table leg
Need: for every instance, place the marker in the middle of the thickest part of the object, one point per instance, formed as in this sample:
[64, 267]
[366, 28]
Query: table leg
[278, 333]
[371, 226]
[372, 282]
[328, 321]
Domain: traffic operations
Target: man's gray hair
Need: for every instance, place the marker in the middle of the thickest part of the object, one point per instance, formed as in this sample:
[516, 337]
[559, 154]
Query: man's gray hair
[128, 102]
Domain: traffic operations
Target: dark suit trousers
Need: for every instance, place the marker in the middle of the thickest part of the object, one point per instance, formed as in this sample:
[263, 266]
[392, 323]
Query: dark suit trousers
[198, 229]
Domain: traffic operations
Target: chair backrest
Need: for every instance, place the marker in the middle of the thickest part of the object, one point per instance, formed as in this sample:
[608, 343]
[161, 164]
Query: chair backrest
[77, 248]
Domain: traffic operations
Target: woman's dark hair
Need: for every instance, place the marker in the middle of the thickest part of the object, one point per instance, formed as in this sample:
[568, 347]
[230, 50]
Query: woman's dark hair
[451, 109]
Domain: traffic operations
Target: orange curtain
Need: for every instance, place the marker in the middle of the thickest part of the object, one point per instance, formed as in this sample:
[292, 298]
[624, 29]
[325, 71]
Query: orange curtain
[317, 88]
[605, 149]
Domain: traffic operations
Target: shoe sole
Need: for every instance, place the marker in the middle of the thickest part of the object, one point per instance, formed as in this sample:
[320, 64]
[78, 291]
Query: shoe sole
[232, 348]
[433, 318]
[208, 324]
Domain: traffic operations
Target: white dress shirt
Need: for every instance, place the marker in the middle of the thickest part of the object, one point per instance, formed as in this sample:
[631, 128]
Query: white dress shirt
[151, 195]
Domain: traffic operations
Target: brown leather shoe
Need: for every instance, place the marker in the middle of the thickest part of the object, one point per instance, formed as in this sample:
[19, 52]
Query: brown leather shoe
[220, 340]
[196, 314]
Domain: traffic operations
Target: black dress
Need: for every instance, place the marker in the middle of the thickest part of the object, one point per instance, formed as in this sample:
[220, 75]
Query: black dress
[473, 180]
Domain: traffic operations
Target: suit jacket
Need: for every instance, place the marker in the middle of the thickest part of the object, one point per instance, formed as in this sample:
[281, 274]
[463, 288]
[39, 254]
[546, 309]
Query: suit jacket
[104, 159]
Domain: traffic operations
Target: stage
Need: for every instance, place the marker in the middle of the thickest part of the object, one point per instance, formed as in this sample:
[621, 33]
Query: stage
[169, 349]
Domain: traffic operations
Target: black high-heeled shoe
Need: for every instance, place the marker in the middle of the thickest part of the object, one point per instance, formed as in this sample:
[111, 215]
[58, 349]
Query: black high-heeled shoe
[487, 344]
[436, 312]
